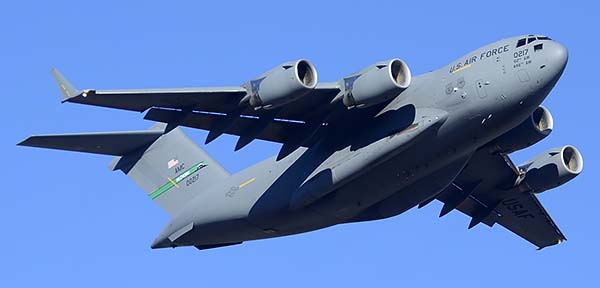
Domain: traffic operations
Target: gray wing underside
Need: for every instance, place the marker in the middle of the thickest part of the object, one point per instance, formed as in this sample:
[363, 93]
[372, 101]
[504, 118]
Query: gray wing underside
[207, 99]
[274, 130]
[482, 191]
[216, 109]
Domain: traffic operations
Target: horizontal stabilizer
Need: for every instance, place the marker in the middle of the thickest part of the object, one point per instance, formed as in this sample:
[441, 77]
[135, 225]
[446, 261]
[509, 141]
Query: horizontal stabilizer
[108, 143]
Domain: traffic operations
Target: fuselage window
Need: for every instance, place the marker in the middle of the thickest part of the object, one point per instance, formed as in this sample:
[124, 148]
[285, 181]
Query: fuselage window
[521, 42]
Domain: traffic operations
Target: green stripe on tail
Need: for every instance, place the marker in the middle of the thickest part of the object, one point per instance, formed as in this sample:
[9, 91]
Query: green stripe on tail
[169, 184]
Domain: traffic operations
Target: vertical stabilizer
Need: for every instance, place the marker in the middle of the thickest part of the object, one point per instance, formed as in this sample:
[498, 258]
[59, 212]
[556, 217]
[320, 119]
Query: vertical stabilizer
[171, 170]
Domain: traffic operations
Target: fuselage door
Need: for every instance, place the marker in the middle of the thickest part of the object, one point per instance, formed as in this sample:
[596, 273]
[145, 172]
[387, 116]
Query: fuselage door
[481, 91]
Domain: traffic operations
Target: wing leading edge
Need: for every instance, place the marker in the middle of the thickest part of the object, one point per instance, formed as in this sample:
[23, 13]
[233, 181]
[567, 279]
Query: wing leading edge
[205, 99]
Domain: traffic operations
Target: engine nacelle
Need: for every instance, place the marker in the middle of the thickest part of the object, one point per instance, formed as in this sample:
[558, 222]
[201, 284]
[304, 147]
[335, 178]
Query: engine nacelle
[281, 85]
[376, 83]
[552, 169]
[535, 128]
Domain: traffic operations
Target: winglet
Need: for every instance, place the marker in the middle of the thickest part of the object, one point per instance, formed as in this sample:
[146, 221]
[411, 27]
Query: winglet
[66, 89]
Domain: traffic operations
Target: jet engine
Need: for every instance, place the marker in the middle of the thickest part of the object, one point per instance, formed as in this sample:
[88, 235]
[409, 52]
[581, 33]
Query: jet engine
[535, 128]
[552, 169]
[281, 85]
[377, 83]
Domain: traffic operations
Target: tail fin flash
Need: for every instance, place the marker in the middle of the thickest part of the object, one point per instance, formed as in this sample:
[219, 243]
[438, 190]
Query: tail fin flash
[169, 166]
[172, 170]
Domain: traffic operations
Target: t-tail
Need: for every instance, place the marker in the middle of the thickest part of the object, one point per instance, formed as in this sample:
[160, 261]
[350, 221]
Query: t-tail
[163, 164]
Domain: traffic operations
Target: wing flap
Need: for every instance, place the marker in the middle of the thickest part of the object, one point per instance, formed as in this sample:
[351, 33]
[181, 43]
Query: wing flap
[276, 131]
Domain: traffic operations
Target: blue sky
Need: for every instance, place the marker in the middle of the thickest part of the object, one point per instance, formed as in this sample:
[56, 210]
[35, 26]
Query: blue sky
[67, 220]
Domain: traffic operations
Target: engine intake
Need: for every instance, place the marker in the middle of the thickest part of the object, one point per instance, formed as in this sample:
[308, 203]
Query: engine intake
[282, 84]
[376, 83]
[535, 128]
[552, 168]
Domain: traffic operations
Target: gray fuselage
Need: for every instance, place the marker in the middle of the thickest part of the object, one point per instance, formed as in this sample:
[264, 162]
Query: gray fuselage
[379, 166]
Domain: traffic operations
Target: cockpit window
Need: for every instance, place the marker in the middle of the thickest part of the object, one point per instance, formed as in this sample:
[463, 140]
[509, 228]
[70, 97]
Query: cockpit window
[530, 39]
[537, 47]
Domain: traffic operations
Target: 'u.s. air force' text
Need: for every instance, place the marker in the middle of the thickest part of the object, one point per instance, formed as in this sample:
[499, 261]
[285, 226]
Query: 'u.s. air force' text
[480, 57]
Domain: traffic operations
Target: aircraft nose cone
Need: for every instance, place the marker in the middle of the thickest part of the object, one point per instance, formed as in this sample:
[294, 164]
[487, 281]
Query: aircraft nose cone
[558, 56]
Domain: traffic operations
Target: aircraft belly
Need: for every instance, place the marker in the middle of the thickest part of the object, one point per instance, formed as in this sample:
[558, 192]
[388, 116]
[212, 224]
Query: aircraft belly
[286, 204]
[267, 205]
[220, 232]
[336, 171]
[411, 195]
[416, 164]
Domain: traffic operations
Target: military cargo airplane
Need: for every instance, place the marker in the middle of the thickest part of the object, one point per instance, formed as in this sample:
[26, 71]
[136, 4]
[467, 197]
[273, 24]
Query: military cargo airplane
[369, 146]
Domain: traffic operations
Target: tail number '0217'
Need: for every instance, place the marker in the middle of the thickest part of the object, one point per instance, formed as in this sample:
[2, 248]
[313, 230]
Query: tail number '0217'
[192, 179]
[520, 53]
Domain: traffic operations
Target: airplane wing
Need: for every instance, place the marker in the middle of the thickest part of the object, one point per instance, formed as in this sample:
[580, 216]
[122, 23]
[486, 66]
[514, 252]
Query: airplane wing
[483, 191]
[215, 109]
[221, 100]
